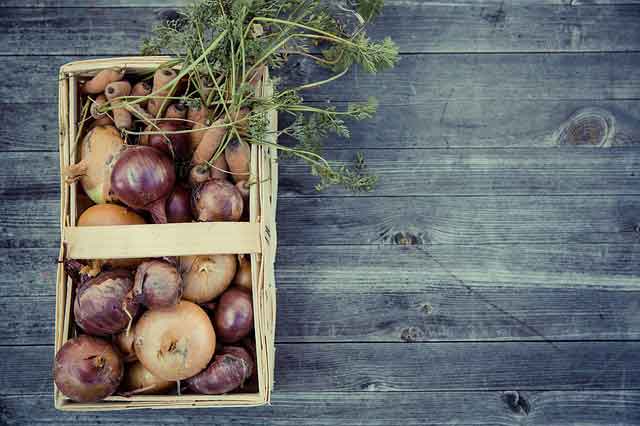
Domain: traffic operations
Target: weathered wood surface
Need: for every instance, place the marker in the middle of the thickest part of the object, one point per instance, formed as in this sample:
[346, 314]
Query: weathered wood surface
[510, 262]
[393, 367]
[504, 408]
[430, 124]
[415, 27]
[416, 79]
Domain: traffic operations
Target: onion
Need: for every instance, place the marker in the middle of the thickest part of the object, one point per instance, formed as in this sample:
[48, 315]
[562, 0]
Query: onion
[175, 343]
[110, 215]
[177, 145]
[233, 318]
[157, 284]
[143, 178]
[87, 369]
[179, 205]
[99, 150]
[216, 200]
[138, 380]
[124, 343]
[243, 187]
[199, 174]
[206, 277]
[243, 276]
[227, 372]
[104, 305]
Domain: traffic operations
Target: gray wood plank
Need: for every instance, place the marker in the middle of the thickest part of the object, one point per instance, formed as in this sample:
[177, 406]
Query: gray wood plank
[432, 124]
[390, 268]
[417, 78]
[562, 171]
[30, 221]
[416, 28]
[449, 310]
[394, 367]
[371, 408]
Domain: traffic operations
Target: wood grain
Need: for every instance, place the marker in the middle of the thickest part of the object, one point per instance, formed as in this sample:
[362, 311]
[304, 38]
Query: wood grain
[415, 80]
[432, 124]
[415, 27]
[421, 221]
[385, 367]
[504, 408]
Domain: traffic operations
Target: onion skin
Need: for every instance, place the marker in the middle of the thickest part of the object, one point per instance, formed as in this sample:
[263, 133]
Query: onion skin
[175, 343]
[176, 145]
[206, 277]
[124, 343]
[99, 150]
[139, 381]
[179, 205]
[243, 275]
[157, 284]
[142, 178]
[233, 318]
[104, 305]
[87, 369]
[228, 371]
[216, 201]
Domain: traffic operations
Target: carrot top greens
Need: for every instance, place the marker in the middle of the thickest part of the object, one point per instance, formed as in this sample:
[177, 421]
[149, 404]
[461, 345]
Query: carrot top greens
[223, 46]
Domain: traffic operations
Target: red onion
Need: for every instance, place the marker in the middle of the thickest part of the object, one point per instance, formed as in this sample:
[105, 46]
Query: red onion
[227, 372]
[87, 369]
[179, 205]
[177, 145]
[157, 284]
[233, 318]
[216, 200]
[143, 178]
[104, 305]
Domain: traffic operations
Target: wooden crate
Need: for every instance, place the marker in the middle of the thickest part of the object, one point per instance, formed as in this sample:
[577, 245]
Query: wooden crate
[257, 237]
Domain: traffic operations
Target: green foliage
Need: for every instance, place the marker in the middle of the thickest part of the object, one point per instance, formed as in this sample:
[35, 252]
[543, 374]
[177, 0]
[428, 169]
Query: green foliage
[259, 33]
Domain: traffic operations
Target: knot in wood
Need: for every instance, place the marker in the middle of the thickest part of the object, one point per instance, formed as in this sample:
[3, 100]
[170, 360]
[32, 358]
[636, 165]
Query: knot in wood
[588, 126]
[516, 402]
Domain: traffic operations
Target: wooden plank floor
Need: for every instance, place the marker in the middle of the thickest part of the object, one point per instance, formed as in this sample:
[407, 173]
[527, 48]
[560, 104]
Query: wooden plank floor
[493, 275]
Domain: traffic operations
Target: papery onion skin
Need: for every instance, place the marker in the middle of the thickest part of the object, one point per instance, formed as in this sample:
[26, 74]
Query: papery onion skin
[124, 343]
[228, 371]
[206, 277]
[99, 150]
[140, 381]
[104, 305]
[177, 145]
[179, 205]
[233, 318]
[87, 369]
[109, 215]
[175, 343]
[243, 275]
[157, 284]
[142, 178]
[216, 200]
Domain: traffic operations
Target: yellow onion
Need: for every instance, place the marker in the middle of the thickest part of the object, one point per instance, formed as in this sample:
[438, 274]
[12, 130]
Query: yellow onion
[206, 277]
[139, 381]
[175, 343]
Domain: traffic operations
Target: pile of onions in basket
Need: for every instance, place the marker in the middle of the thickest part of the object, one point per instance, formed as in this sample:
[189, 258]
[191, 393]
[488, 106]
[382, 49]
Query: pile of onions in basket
[157, 325]
[169, 325]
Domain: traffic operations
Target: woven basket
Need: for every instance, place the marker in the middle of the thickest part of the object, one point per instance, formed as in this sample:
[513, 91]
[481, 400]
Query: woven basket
[256, 237]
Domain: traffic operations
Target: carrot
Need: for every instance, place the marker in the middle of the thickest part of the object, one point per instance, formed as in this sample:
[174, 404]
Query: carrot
[199, 116]
[160, 79]
[100, 81]
[240, 119]
[220, 168]
[176, 110]
[209, 143]
[121, 117]
[102, 118]
[203, 172]
[141, 89]
[238, 156]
